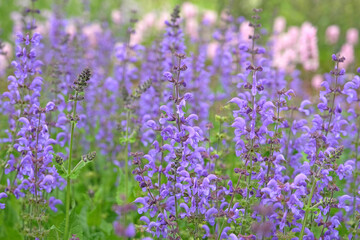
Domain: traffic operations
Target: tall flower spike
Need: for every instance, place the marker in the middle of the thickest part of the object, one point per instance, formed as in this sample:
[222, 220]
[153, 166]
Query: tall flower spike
[324, 147]
[80, 84]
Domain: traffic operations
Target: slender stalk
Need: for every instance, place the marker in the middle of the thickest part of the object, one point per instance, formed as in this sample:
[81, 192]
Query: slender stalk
[288, 140]
[247, 190]
[355, 174]
[176, 202]
[161, 162]
[308, 205]
[68, 186]
[36, 171]
[357, 226]
[178, 122]
[218, 146]
[127, 153]
[152, 196]
[333, 101]
[250, 155]
[126, 174]
[307, 211]
[230, 205]
[253, 120]
[275, 133]
[328, 215]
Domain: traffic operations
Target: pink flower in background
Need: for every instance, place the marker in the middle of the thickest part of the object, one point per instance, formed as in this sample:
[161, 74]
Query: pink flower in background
[16, 17]
[286, 60]
[71, 29]
[143, 27]
[316, 81]
[245, 31]
[189, 10]
[286, 49]
[347, 50]
[116, 16]
[90, 31]
[4, 60]
[209, 17]
[352, 36]
[136, 38]
[192, 28]
[211, 49]
[279, 25]
[160, 23]
[149, 19]
[43, 27]
[332, 34]
[308, 48]
[293, 33]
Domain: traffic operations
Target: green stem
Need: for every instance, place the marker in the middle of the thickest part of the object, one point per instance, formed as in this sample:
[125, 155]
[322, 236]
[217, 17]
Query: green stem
[218, 147]
[275, 134]
[307, 209]
[127, 153]
[247, 190]
[288, 140]
[176, 202]
[127, 161]
[230, 205]
[328, 215]
[356, 227]
[178, 122]
[333, 102]
[248, 178]
[2, 165]
[76, 167]
[36, 173]
[355, 173]
[215, 166]
[68, 186]
[161, 162]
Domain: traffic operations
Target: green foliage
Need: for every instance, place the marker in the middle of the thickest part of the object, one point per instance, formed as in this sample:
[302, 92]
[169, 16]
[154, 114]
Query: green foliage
[94, 216]
[130, 139]
[285, 236]
[10, 221]
[76, 228]
[54, 233]
[77, 169]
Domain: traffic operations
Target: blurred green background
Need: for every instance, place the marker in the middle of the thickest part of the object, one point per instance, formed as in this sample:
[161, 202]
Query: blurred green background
[320, 13]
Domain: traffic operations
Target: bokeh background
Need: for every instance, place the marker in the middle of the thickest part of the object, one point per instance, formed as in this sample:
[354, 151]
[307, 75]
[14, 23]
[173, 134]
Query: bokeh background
[321, 13]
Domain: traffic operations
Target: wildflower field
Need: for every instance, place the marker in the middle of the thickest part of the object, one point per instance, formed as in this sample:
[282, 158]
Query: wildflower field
[157, 119]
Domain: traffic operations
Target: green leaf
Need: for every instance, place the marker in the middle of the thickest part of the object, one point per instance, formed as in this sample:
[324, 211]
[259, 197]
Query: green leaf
[75, 226]
[94, 217]
[12, 233]
[55, 233]
[76, 171]
[123, 140]
[130, 139]
[106, 227]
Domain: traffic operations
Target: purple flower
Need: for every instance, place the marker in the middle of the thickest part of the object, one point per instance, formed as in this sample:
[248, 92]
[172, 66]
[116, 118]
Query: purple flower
[53, 202]
[167, 76]
[3, 195]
